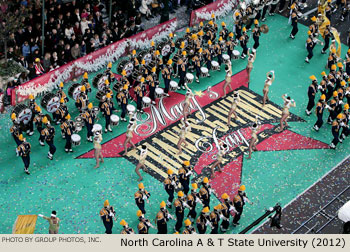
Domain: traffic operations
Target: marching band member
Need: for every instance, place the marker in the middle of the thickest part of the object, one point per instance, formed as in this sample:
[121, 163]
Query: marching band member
[153, 83]
[86, 82]
[228, 70]
[15, 129]
[203, 220]
[134, 59]
[23, 150]
[83, 100]
[139, 91]
[140, 196]
[208, 55]
[123, 98]
[218, 51]
[215, 219]
[126, 228]
[326, 36]
[320, 106]
[182, 67]
[39, 124]
[49, 134]
[143, 69]
[267, 4]
[254, 138]
[238, 24]
[97, 140]
[159, 64]
[166, 73]
[332, 58]
[244, 41]
[89, 118]
[32, 105]
[226, 208]
[230, 45]
[61, 94]
[197, 64]
[108, 72]
[180, 204]
[192, 200]
[130, 128]
[106, 108]
[270, 77]
[188, 228]
[234, 104]
[204, 192]
[144, 224]
[106, 89]
[185, 176]
[274, 4]
[219, 158]
[107, 215]
[256, 35]
[39, 70]
[285, 112]
[162, 219]
[335, 132]
[345, 123]
[310, 44]
[142, 160]
[314, 28]
[311, 92]
[68, 128]
[224, 32]
[294, 18]
[61, 112]
[332, 108]
[170, 183]
[185, 127]
[239, 201]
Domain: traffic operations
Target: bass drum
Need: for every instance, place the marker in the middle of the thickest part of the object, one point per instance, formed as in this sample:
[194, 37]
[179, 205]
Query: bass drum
[23, 113]
[74, 91]
[50, 102]
[99, 81]
[126, 65]
[164, 48]
[179, 41]
[145, 55]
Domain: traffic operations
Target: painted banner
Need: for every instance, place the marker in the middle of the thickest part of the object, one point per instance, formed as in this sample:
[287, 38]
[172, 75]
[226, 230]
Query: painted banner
[25, 224]
[91, 62]
[220, 8]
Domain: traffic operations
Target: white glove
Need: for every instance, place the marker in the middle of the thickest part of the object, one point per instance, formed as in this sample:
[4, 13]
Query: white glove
[319, 87]
[188, 173]
[341, 102]
[327, 107]
[221, 216]
[40, 215]
[286, 95]
[173, 183]
[292, 100]
[111, 214]
[144, 197]
[342, 124]
[211, 190]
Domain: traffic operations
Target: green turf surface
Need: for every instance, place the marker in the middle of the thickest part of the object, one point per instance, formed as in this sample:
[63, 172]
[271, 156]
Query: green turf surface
[77, 191]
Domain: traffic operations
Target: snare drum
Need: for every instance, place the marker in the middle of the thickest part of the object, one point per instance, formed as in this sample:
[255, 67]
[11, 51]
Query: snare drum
[226, 58]
[78, 126]
[204, 72]
[114, 120]
[189, 78]
[96, 110]
[159, 92]
[146, 102]
[97, 128]
[50, 102]
[79, 120]
[215, 65]
[74, 91]
[131, 108]
[23, 113]
[173, 86]
[235, 54]
[76, 139]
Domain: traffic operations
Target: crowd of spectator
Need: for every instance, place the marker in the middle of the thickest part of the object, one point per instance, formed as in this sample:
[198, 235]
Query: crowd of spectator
[75, 28]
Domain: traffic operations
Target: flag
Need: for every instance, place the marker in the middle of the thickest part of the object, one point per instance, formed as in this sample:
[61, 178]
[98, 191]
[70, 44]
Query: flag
[25, 224]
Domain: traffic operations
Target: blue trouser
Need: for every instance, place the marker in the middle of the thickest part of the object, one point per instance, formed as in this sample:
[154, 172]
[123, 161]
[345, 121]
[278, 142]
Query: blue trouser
[139, 103]
[89, 130]
[220, 59]
[108, 120]
[198, 71]
[123, 110]
[166, 83]
[68, 142]
[52, 148]
[209, 65]
[26, 161]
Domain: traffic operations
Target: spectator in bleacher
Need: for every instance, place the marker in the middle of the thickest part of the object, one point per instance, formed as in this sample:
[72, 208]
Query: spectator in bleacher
[76, 51]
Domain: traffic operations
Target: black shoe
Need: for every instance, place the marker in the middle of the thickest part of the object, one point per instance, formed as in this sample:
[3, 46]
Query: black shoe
[26, 171]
